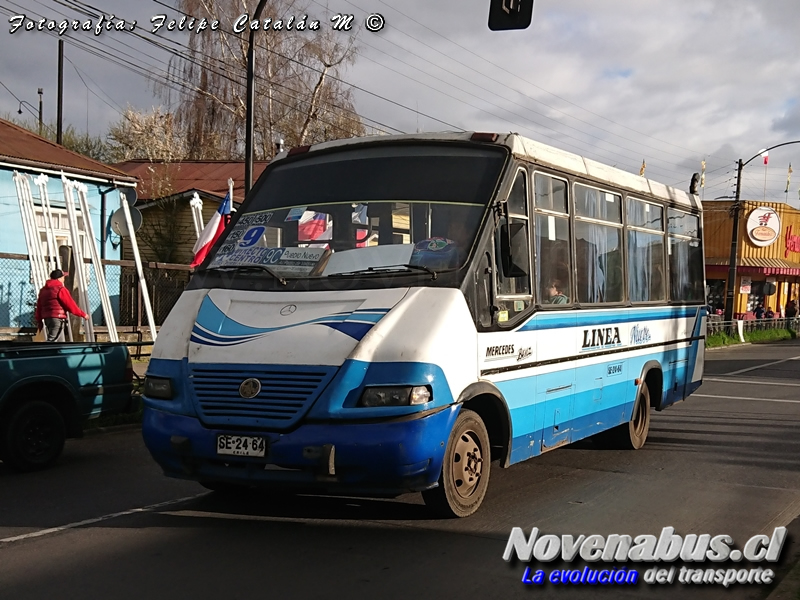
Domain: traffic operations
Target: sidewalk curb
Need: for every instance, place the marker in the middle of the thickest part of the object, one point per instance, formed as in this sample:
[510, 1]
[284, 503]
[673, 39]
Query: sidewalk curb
[111, 429]
[729, 346]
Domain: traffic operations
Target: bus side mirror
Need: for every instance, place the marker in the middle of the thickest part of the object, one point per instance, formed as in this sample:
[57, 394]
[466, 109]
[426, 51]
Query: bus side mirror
[514, 250]
[510, 14]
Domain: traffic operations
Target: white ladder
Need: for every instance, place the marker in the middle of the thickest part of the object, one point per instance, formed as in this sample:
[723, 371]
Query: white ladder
[39, 272]
[99, 271]
[77, 251]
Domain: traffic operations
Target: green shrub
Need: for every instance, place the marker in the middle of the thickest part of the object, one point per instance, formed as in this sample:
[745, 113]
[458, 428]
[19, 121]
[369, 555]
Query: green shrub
[760, 336]
[719, 339]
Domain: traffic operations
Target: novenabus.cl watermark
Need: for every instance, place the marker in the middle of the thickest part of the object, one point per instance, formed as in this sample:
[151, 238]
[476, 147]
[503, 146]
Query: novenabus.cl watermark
[666, 547]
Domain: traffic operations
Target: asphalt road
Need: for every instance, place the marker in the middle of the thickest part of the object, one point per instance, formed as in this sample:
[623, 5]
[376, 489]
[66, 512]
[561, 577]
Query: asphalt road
[104, 523]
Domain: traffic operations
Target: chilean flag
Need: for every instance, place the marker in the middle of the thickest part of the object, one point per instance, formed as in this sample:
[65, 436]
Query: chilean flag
[312, 226]
[212, 231]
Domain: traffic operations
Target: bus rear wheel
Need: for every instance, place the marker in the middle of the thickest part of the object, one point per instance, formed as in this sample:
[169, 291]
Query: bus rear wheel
[633, 434]
[465, 470]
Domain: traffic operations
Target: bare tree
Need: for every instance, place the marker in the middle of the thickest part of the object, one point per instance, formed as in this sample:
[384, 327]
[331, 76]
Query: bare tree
[153, 136]
[299, 96]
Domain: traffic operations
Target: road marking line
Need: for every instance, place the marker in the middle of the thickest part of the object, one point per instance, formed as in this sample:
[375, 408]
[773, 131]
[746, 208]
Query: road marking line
[749, 381]
[748, 369]
[736, 398]
[123, 513]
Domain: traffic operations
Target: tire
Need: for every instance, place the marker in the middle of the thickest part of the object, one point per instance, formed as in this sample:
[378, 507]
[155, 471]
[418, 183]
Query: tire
[633, 434]
[465, 469]
[34, 437]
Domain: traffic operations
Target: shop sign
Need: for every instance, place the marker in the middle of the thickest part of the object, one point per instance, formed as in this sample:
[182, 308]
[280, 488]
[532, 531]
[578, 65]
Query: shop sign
[763, 226]
[744, 286]
[792, 242]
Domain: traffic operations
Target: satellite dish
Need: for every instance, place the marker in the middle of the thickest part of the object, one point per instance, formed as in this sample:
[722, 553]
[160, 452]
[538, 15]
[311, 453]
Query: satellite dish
[118, 224]
[129, 195]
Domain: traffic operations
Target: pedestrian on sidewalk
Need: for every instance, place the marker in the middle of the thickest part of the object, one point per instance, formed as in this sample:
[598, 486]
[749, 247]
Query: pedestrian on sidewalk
[52, 306]
[791, 309]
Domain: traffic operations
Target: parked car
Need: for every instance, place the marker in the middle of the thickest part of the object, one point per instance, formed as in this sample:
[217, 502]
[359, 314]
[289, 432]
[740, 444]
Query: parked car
[49, 390]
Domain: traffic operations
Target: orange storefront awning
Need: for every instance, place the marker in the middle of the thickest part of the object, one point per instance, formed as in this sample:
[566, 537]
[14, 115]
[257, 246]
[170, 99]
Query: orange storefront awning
[763, 266]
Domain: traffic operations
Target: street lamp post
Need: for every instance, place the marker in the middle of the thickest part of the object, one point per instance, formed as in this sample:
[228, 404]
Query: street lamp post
[735, 209]
[19, 111]
[248, 141]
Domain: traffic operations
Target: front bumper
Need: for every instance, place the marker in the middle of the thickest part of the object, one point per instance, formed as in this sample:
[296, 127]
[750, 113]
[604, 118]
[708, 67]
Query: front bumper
[392, 456]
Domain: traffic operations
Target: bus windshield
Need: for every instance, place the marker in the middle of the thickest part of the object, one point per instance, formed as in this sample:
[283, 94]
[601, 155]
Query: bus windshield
[368, 211]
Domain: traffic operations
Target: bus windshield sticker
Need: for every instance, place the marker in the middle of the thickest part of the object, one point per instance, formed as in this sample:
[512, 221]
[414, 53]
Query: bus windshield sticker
[287, 261]
[295, 214]
[257, 218]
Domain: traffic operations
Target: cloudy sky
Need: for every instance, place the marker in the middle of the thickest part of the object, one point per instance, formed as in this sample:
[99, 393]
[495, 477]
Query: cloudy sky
[620, 81]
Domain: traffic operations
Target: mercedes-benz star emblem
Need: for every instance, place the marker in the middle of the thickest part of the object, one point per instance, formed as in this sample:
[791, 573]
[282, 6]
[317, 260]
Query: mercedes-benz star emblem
[288, 310]
[250, 388]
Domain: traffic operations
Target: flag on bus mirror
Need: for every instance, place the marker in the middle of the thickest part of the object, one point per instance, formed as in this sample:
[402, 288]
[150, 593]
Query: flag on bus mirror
[212, 231]
[510, 14]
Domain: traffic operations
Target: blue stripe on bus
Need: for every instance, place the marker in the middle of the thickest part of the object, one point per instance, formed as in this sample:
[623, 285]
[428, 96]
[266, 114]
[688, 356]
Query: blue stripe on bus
[588, 399]
[542, 320]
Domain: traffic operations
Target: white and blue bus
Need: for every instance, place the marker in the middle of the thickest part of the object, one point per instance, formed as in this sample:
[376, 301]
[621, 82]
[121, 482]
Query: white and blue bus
[393, 314]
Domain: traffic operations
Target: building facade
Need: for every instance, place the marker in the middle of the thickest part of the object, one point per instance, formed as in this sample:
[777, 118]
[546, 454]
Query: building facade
[22, 152]
[768, 252]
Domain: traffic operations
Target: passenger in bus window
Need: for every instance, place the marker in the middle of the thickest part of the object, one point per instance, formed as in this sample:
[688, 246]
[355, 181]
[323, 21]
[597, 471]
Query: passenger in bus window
[554, 294]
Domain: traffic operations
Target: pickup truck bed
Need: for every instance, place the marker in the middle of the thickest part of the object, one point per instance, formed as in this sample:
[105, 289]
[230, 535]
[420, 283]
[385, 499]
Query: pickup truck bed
[48, 390]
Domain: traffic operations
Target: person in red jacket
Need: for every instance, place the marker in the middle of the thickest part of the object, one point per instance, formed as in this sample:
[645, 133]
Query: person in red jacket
[52, 306]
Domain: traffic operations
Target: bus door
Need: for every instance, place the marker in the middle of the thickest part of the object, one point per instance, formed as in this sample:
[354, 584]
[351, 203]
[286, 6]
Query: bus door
[555, 384]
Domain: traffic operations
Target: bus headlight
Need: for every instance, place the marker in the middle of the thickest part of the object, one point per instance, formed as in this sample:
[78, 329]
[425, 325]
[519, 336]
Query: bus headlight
[395, 396]
[158, 387]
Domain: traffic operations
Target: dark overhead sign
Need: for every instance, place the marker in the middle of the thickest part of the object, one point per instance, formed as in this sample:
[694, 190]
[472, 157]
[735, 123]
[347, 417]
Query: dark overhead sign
[510, 14]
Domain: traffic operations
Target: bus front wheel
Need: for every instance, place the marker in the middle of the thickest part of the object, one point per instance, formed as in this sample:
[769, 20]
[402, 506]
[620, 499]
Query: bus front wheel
[465, 470]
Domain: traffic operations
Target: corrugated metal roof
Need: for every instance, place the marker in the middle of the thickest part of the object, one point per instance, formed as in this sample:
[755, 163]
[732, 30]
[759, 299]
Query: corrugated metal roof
[18, 146]
[209, 176]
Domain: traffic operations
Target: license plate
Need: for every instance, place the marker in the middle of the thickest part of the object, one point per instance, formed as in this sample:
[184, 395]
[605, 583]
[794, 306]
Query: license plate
[241, 445]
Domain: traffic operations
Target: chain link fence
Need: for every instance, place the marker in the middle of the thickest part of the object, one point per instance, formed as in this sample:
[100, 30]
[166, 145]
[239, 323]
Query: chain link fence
[165, 284]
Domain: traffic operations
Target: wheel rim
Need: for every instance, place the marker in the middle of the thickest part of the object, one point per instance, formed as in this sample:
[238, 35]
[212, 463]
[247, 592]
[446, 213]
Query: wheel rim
[467, 464]
[37, 439]
[640, 418]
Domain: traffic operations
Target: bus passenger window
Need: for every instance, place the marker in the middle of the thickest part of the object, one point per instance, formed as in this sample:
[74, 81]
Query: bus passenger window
[553, 260]
[514, 290]
[645, 222]
[598, 245]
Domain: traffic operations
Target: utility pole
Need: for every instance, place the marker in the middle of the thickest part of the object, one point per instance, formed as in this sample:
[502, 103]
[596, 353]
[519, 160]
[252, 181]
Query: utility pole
[41, 123]
[249, 109]
[731, 286]
[59, 120]
[730, 289]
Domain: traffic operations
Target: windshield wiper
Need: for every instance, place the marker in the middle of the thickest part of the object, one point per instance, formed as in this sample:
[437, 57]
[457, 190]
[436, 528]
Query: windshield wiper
[387, 270]
[264, 268]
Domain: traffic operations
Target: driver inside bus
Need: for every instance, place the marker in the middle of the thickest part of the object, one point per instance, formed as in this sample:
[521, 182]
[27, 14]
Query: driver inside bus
[448, 252]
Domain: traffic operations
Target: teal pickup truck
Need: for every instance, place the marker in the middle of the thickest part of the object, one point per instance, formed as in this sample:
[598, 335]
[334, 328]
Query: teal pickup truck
[49, 390]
